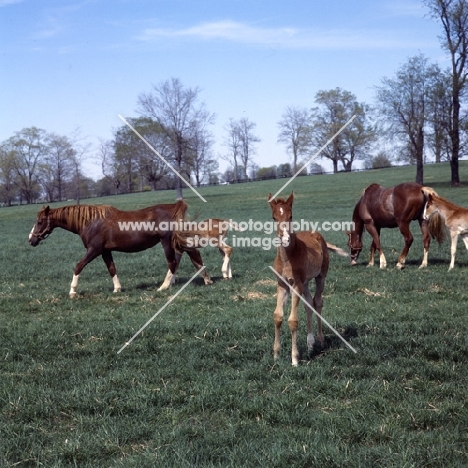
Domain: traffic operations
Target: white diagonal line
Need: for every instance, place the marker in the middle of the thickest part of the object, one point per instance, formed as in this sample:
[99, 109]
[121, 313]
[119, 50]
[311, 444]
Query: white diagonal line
[160, 310]
[313, 310]
[160, 157]
[312, 158]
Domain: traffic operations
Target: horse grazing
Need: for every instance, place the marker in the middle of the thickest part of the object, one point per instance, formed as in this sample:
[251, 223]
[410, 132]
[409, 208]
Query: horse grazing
[210, 232]
[300, 257]
[104, 229]
[381, 207]
[442, 215]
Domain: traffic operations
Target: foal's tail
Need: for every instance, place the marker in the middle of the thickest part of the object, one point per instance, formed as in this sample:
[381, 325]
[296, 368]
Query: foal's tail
[337, 250]
[437, 227]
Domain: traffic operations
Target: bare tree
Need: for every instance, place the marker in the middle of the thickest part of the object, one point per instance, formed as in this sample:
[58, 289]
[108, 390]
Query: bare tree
[57, 166]
[177, 111]
[453, 15]
[109, 166]
[240, 142]
[404, 103]
[8, 185]
[28, 147]
[233, 144]
[294, 129]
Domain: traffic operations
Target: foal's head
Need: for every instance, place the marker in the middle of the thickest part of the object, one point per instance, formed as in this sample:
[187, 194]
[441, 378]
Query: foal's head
[41, 228]
[430, 208]
[282, 214]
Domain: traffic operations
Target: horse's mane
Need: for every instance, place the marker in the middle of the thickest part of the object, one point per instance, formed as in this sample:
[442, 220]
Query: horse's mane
[78, 216]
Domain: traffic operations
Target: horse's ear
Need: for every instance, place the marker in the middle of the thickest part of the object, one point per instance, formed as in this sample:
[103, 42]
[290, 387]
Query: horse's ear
[271, 200]
[290, 199]
[47, 209]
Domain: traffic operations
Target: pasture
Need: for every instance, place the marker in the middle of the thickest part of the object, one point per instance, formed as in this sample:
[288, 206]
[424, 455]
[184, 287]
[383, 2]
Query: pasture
[199, 387]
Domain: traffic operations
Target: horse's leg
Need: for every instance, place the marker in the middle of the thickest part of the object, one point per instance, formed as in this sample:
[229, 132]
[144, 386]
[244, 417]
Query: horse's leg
[453, 248]
[278, 314]
[293, 323]
[172, 259]
[318, 304]
[375, 234]
[196, 259]
[423, 224]
[226, 251]
[170, 278]
[109, 261]
[309, 314]
[406, 233]
[90, 255]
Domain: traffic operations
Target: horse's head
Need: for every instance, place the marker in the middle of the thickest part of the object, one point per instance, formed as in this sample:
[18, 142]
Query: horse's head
[430, 207]
[282, 214]
[41, 228]
[355, 245]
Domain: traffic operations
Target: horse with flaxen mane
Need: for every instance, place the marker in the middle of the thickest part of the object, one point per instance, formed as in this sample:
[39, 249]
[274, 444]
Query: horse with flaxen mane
[300, 257]
[444, 215]
[381, 207]
[104, 229]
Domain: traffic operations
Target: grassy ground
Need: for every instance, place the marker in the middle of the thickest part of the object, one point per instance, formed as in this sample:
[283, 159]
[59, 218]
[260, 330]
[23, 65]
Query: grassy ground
[199, 386]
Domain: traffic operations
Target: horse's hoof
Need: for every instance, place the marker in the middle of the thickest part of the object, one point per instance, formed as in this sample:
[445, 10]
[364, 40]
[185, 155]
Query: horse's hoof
[72, 295]
[117, 290]
[400, 266]
[208, 281]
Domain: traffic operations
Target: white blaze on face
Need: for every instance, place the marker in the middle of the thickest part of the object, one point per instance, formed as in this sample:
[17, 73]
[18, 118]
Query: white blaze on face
[281, 211]
[285, 238]
[31, 233]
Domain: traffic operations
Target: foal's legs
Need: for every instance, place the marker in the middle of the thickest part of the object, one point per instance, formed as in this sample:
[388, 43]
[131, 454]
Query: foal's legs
[226, 251]
[453, 248]
[278, 314]
[293, 323]
[423, 224]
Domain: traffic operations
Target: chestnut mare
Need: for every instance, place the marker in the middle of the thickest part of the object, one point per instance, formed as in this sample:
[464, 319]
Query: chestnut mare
[301, 257]
[381, 207]
[104, 229]
[442, 215]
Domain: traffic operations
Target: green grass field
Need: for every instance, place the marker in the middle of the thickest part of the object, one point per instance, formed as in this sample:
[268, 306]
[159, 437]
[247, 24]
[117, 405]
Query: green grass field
[199, 387]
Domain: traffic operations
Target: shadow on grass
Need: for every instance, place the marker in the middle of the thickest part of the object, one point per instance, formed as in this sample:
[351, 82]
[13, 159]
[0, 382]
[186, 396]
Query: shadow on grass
[333, 342]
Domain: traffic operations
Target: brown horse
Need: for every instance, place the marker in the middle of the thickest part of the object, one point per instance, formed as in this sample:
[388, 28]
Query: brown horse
[300, 257]
[442, 215]
[104, 229]
[393, 207]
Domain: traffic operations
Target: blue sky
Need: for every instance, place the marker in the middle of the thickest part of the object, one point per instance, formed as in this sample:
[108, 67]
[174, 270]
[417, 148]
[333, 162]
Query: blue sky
[68, 65]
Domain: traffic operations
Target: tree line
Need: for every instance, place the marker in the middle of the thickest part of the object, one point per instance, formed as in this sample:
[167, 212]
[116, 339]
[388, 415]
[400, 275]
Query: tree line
[418, 113]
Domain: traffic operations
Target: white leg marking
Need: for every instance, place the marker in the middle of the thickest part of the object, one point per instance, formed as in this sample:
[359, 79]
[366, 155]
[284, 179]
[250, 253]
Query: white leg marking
[424, 262]
[383, 261]
[168, 281]
[310, 341]
[74, 285]
[117, 287]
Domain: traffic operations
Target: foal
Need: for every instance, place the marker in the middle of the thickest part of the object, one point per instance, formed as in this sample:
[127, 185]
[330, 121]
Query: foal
[210, 232]
[444, 215]
[301, 257]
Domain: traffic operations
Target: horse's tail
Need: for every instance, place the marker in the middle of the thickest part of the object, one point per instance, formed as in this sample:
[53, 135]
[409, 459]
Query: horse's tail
[337, 250]
[179, 210]
[437, 227]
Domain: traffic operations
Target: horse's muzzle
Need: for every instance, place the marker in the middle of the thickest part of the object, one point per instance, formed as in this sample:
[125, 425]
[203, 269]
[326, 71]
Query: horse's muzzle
[33, 241]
